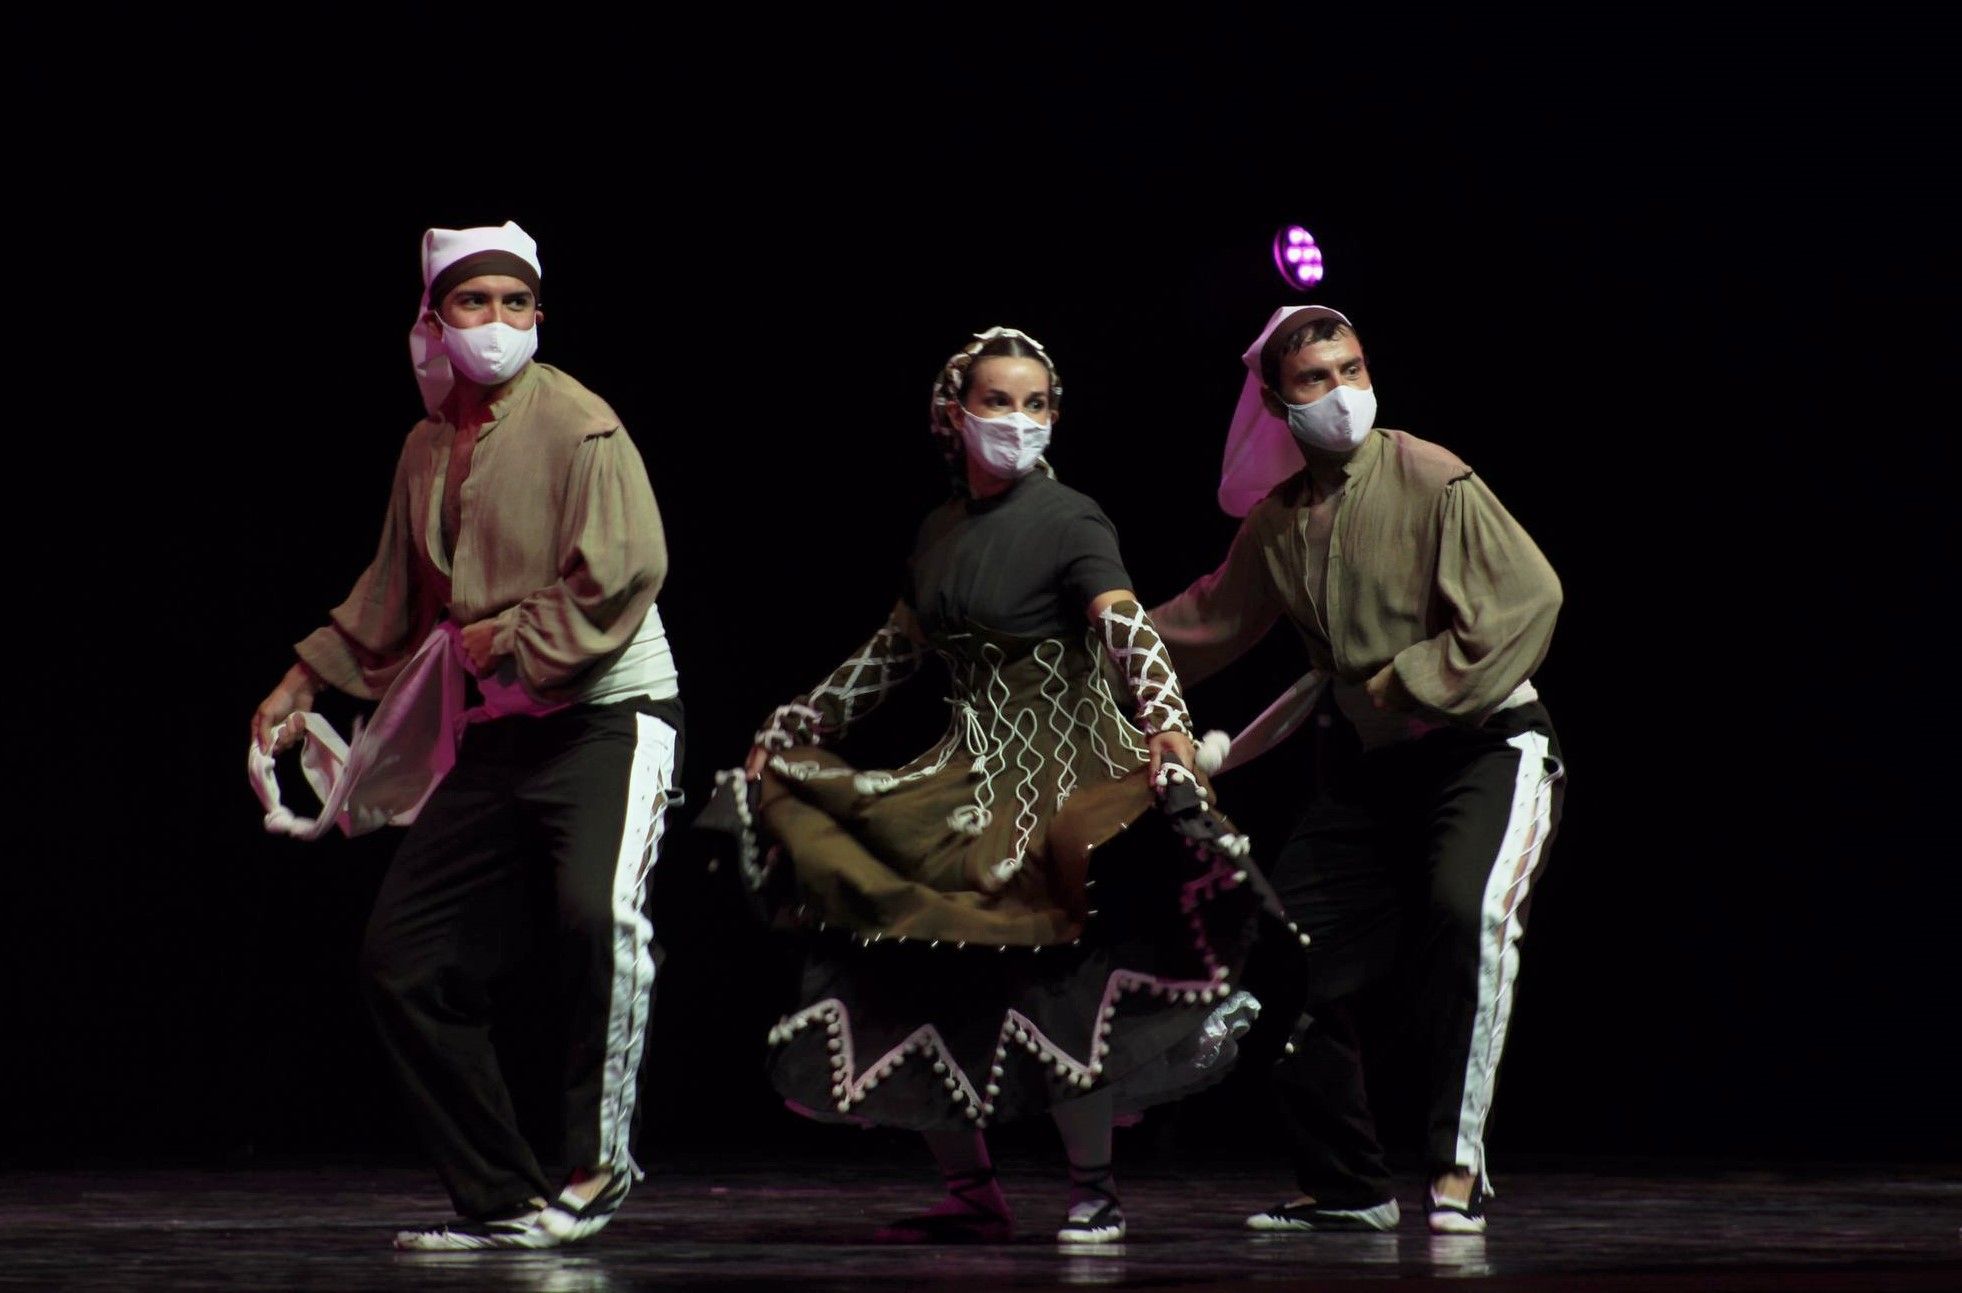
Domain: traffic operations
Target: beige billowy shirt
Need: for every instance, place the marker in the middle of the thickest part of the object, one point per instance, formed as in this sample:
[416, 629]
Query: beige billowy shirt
[1423, 568]
[561, 543]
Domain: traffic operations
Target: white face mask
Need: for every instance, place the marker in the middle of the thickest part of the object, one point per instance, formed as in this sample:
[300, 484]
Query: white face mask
[491, 353]
[1006, 447]
[1335, 423]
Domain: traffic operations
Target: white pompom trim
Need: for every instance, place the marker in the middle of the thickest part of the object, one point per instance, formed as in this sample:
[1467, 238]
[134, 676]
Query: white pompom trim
[1213, 749]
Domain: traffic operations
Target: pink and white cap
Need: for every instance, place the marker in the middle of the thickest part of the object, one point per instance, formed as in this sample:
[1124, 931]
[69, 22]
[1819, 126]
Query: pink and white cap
[1260, 450]
[446, 254]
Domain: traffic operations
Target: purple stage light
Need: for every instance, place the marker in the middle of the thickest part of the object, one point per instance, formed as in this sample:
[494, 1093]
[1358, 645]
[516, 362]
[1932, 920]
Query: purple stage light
[1297, 257]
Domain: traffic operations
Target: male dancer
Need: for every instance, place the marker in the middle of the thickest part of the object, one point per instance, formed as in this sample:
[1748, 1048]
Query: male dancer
[522, 517]
[1439, 775]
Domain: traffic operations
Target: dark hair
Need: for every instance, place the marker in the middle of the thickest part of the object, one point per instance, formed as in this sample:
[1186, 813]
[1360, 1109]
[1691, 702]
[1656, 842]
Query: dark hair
[476, 265]
[1007, 347]
[1315, 330]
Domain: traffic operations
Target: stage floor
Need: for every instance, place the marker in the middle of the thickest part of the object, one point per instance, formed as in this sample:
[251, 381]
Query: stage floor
[697, 1224]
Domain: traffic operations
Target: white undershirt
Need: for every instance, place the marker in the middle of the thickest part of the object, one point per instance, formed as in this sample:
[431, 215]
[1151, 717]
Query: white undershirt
[643, 667]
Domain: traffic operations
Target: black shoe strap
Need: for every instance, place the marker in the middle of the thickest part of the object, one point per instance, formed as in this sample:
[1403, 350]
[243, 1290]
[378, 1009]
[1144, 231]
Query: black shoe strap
[961, 1185]
[1095, 1178]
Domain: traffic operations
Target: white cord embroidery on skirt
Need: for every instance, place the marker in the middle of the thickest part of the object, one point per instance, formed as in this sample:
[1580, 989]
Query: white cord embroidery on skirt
[1100, 685]
[997, 736]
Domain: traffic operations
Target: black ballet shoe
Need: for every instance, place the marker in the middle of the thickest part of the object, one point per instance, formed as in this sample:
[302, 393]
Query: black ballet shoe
[981, 1224]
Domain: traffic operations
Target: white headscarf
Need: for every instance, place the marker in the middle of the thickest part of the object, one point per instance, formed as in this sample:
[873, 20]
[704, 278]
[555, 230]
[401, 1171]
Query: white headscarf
[1260, 450]
[442, 248]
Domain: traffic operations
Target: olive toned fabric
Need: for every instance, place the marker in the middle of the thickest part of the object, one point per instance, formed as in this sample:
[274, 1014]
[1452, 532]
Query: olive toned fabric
[560, 542]
[1424, 569]
[1040, 718]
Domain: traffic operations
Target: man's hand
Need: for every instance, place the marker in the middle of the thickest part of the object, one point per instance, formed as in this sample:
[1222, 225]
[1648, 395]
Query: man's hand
[477, 645]
[1176, 744]
[1386, 690]
[270, 730]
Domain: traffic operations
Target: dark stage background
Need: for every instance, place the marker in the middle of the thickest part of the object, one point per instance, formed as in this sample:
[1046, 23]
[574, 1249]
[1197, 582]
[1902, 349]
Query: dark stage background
[1678, 286]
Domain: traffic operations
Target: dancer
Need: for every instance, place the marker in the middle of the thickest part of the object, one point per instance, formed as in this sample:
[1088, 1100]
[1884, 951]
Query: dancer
[1438, 776]
[1042, 912]
[521, 523]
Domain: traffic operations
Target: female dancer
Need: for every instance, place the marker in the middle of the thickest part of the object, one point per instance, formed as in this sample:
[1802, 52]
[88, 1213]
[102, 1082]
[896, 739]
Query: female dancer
[1040, 913]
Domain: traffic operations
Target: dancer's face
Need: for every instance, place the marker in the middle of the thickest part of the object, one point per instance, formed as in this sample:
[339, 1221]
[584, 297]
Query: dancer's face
[490, 298]
[1316, 369]
[1003, 384]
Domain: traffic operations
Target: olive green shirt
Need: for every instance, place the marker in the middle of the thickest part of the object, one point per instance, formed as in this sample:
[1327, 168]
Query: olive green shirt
[560, 543]
[1424, 569]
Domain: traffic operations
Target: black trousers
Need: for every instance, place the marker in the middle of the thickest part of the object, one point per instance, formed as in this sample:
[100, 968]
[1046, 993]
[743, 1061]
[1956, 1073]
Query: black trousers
[1419, 857]
[545, 827]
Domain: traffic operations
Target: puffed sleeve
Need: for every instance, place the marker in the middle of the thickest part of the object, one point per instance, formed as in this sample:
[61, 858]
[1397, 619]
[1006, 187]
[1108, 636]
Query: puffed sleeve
[371, 634]
[1502, 597]
[1222, 615]
[612, 560]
